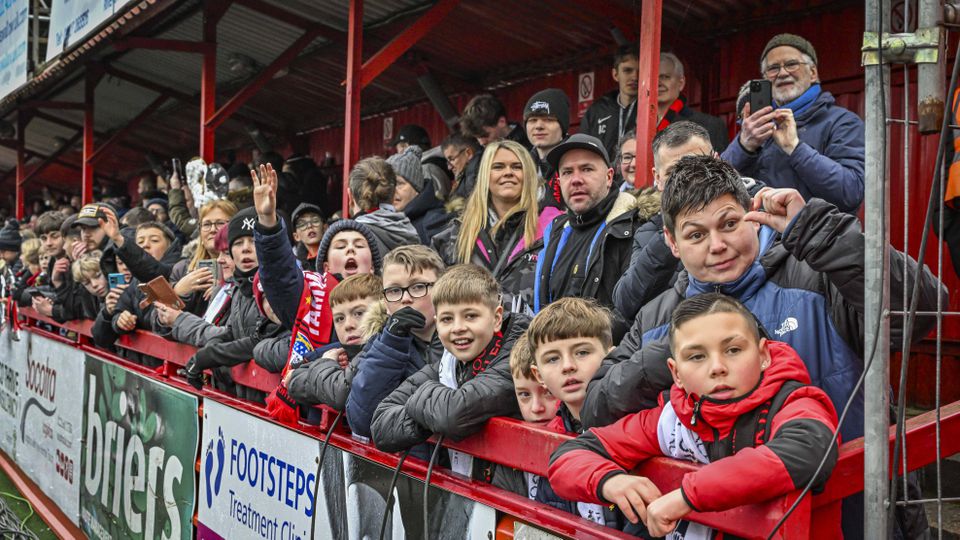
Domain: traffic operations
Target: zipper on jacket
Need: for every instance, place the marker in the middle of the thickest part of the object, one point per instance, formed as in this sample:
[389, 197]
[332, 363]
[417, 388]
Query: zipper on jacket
[696, 411]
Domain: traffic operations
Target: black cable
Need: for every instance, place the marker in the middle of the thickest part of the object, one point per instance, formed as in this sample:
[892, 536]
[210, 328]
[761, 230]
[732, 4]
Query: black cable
[873, 348]
[393, 483]
[316, 480]
[936, 191]
[426, 487]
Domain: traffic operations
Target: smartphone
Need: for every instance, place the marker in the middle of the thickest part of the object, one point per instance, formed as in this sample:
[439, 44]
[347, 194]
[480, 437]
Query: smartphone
[115, 280]
[760, 95]
[178, 168]
[212, 265]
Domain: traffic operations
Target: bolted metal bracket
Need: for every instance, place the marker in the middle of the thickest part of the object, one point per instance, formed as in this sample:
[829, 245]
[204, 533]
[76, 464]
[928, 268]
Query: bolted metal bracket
[920, 47]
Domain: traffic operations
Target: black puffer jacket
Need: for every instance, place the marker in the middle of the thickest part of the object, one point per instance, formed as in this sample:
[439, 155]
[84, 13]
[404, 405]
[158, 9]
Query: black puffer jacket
[422, 405]
[427, 214]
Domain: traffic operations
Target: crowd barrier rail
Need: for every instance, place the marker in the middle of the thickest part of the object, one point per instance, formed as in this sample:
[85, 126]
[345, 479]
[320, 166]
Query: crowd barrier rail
[504, 441]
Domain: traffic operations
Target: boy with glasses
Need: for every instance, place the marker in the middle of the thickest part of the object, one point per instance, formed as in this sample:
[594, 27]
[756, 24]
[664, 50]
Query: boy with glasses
[407, 339]
[805, 141]
[308, 229]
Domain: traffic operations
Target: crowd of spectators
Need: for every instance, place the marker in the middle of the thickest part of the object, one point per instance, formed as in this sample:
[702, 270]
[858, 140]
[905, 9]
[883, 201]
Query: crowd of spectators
[513, 270]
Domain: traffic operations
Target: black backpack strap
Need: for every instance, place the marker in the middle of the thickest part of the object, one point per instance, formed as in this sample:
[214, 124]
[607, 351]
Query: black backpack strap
[753, 429]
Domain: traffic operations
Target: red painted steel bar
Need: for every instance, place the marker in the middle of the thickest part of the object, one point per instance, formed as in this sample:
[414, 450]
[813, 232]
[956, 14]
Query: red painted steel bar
[263, 78]
[21, 160]
[650, 22]
[93, 77]
[391, 52]
[351, 123]
[212, 12]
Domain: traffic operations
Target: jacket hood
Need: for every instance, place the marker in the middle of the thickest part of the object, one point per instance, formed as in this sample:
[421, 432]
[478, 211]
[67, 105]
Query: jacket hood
[393, 225]
[425, 201]
[718, 417]
[648, 203]
[373, 320]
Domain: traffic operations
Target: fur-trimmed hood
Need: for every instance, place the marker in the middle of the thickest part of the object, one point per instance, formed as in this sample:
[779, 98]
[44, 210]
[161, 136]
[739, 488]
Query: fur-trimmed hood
[648, 203]
[373, 320]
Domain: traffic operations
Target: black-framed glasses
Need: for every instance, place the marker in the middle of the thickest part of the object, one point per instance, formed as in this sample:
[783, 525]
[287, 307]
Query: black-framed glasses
[791, 67]
[208, 225]
[307, 223]
[416, 290]
[627, 158]
[450, 160]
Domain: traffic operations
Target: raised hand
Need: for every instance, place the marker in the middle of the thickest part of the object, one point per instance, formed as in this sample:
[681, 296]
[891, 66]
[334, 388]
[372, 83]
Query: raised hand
[198, 280]
[757, 128]
[113, 296]
[60, 268]
[775, 208]
[111, 226]
[265, 194]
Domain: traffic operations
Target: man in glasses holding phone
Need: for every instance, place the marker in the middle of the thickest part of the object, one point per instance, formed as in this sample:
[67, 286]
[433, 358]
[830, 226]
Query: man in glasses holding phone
[803, 140]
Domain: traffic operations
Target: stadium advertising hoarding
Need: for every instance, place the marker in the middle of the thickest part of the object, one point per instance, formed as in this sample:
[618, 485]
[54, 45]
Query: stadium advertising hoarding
[14, 32]
[140, 446]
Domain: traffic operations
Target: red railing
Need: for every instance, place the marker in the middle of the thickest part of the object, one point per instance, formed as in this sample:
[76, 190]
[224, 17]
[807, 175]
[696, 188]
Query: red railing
[528, 447]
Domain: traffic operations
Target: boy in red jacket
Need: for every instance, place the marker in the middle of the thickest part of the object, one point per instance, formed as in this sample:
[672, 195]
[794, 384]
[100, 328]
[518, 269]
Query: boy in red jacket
[725, 375]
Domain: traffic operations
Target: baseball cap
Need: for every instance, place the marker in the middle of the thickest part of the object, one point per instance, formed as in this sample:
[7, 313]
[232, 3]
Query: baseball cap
[577, 141]
[89, 214]
[412, 134]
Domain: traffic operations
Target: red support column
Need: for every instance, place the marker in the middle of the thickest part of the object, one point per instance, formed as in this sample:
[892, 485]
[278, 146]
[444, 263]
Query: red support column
[93, 76]
[650, 19]
[21, 159]
[351, 124]
[212, 11]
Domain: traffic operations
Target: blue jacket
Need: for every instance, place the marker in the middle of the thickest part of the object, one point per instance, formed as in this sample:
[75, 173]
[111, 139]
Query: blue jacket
[280, 272]
[386, 361]
[827, 164]
[806, 290]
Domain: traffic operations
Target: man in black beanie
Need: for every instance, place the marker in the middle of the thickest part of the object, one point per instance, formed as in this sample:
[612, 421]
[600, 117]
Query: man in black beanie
[10, 240]
[546, 118]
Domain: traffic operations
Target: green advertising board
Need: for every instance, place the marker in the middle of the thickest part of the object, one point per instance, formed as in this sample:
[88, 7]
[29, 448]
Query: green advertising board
[139, 450]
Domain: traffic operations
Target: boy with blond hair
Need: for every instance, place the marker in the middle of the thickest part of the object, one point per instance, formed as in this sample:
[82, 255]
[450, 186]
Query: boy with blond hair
[470, 383]
[741, 405]
[326, 374]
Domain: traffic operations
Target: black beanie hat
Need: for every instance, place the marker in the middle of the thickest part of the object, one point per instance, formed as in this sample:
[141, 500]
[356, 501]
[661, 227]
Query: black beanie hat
[549, 102]
[240, 225]
[349, 225]
[10, 238]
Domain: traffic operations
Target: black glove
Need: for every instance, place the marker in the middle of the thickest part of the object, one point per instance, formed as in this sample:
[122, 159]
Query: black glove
[193, 373]
[400, 323]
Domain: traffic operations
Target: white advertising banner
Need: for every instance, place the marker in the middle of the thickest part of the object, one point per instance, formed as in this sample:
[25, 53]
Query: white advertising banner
[256, 482]
[51, 421]
[13, 363]
[73, 20]
[14, 32]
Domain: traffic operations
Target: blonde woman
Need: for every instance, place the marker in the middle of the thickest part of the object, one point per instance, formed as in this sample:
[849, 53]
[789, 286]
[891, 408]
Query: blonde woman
[192, 283]
[502, 225]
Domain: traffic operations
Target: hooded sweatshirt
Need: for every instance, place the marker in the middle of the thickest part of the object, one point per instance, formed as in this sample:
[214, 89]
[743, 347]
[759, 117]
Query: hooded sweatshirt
[392, 228]
[686, 426]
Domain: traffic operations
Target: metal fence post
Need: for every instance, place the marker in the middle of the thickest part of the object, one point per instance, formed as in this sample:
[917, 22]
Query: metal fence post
[877, 294]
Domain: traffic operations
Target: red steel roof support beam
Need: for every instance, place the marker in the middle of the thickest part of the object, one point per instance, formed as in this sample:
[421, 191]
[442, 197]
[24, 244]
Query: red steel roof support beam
[132, 125]
[263, 78]
[351, 122]
[212, 12]
[391, 52]
[21, 159]
[174, 45]
[93, 76]
[54, 105]
[650, 21]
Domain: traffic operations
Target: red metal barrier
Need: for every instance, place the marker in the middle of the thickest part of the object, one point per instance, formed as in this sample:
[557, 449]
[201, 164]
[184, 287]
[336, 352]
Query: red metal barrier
[528, 447]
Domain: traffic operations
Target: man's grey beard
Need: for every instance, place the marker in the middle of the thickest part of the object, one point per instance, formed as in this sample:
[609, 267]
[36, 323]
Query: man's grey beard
[782, 97]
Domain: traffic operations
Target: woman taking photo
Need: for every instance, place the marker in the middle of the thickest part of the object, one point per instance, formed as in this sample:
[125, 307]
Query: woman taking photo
[502, 225]
[192, 282]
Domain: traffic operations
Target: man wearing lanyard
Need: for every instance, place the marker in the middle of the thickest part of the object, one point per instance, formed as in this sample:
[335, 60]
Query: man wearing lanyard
[588, 248]
[615, 113]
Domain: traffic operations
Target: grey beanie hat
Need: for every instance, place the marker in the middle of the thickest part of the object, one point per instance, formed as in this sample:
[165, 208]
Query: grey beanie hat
[407, 165]
[790, 40]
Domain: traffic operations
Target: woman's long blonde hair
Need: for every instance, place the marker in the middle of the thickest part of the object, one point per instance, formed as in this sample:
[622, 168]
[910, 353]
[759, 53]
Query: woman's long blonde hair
[201, 252]
[475, 215]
